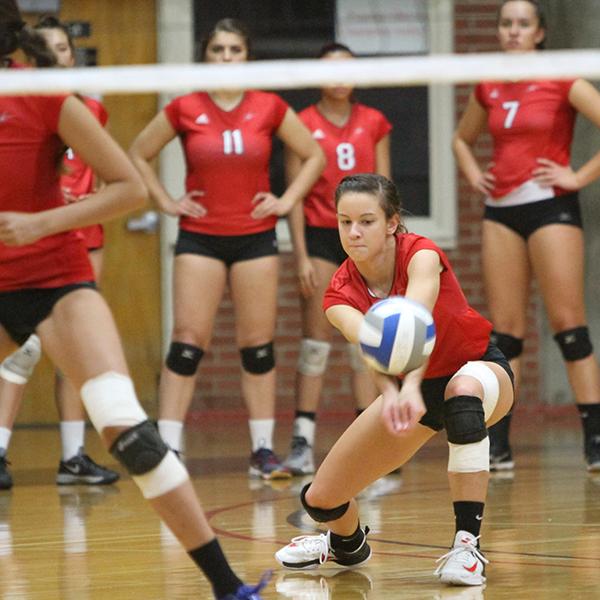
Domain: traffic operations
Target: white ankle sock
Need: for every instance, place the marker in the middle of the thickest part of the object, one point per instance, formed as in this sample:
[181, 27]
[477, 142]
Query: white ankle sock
[305, 428]
[261, 433]
[72, 438]
[172, 433]
[5, 434]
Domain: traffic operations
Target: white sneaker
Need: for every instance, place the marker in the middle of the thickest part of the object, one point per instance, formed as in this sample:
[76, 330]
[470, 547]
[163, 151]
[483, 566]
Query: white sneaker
[302, 586]
[300, 460]
[311, 551]
[464, 564]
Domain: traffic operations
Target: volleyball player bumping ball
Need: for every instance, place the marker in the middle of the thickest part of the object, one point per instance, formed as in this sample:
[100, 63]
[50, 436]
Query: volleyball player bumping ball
[464, 386]
[46, 287]
[532, 222]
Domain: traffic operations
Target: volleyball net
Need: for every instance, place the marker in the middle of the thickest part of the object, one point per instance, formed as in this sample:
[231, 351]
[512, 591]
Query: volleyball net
[309, 73]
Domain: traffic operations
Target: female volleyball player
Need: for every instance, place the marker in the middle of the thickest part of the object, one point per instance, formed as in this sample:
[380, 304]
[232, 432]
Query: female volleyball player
[227, 234]
[532, 222]
[77, 182]
[46, 287]
[465, 385]
[355, 139]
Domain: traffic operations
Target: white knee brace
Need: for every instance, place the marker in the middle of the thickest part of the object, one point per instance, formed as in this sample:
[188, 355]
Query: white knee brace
[18, 367]
[357, 364]
[110, 401]
[488, 380]
[313, 356]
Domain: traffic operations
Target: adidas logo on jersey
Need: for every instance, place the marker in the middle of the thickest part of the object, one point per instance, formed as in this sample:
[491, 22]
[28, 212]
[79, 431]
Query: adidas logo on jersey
[202, 119]
[494, 93]
[318, 134]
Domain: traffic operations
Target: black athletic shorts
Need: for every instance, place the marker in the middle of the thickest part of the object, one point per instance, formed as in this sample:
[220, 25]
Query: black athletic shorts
[524, 219]
[227, 248]
[324, 242]
[23, 310]
[433, 389]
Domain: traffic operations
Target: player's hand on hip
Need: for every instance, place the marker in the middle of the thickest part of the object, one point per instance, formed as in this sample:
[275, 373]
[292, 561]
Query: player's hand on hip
[19, 229]
[186, 206]
[267, 204]
[550, 174]
[486, 182]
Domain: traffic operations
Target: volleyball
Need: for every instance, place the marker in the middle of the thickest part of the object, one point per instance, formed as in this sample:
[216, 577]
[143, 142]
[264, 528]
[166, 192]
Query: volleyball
[396, 335]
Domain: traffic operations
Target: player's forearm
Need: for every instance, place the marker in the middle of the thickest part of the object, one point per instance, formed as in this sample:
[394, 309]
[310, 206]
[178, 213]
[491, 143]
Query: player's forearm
[158, 193]
[311, 169]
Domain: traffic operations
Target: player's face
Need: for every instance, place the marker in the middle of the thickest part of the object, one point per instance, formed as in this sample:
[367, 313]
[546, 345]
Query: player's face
[226, 47]
[518, 27]
[57, 41]
[337, 91]
[363, 225]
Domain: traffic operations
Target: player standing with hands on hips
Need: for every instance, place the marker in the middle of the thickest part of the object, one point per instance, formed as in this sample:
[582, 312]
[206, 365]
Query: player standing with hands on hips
[227, 234]
[532, 223]
[355, 139]
[465, 385]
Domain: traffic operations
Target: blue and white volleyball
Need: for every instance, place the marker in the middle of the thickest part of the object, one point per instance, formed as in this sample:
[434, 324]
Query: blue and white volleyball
[397, 335]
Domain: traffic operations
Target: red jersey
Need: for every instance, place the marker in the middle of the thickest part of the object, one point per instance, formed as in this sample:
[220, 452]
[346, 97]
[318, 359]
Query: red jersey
[527, 120]
[462, 334]
[349, 149]
[227, 156]
[29, 172]
[78, 179]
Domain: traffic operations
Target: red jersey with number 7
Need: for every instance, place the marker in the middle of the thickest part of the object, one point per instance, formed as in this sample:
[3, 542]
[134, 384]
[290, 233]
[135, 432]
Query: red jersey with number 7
[527, 120]
[227, 157]
[348, 149]
[461, 333]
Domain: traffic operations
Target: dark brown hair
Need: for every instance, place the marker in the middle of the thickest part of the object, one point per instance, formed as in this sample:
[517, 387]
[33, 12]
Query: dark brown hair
[229, 26]
[331, 47]
[50, 22]
[377, 185]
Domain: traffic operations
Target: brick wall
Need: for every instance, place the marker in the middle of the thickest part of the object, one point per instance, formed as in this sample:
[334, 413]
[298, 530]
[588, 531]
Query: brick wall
[218, 384]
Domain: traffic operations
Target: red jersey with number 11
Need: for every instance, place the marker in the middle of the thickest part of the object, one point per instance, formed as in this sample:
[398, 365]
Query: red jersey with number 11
[527, 120]
[348, 149]
[227, 156]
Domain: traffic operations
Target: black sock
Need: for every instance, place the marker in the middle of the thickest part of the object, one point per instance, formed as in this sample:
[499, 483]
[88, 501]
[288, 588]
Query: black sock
[590, 419]
[312, 416]
[499, 435]
[347, 543]
[212, 561]
[468, 516]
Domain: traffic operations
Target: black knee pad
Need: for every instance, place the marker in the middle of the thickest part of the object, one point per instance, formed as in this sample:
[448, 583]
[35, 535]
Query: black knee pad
[183, 359]
[464, 420]
[574, 343]
[511, 346]
[322, 515]
[258, 359]
[140, 448]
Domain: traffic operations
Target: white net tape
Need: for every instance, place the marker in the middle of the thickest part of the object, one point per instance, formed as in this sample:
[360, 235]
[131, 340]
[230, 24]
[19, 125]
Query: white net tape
[287, 74]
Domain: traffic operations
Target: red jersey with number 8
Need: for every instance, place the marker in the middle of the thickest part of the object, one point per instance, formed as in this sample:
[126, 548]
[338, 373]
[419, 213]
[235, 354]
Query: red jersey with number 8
[227, 157]
[527, 120]
[348, 149]
[461, 333]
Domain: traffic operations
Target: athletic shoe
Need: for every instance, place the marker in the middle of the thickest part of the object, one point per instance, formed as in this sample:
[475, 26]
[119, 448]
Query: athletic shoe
[311, 551]
[464, 564]
[6, 481]
[250, 592]
[265, 464]
[502, 461]
[81, 469]
[300, 460]
[592, 453]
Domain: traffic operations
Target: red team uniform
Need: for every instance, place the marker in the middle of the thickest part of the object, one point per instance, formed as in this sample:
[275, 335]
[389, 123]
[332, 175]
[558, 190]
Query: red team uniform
[28, 127]
[462, 334]
[227, 155]
[527, 120]
[348, 149]
[78, 179]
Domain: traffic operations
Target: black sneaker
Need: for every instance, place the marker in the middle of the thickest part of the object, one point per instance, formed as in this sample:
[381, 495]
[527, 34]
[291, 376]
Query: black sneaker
[502, 461]
[265, 464]
[6, 481]
[592, 453]
[81, 469]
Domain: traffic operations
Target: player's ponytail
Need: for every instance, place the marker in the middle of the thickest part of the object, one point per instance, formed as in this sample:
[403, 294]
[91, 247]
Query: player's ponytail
[34, 46]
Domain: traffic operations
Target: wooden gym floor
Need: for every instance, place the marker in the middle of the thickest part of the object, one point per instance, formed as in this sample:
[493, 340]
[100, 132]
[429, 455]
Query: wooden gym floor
[541, 530]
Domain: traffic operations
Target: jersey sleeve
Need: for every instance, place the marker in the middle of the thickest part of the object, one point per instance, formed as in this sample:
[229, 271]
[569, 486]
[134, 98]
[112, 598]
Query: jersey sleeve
[383, 126]
[280, 107]
[478, 91]
[102, 114]
[422, 243]
[172, 112]
[50, 108]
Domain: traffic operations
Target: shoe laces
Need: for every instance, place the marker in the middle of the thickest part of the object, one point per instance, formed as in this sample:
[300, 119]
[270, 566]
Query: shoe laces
[318, 544]
[299, 444]
[470, 546]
